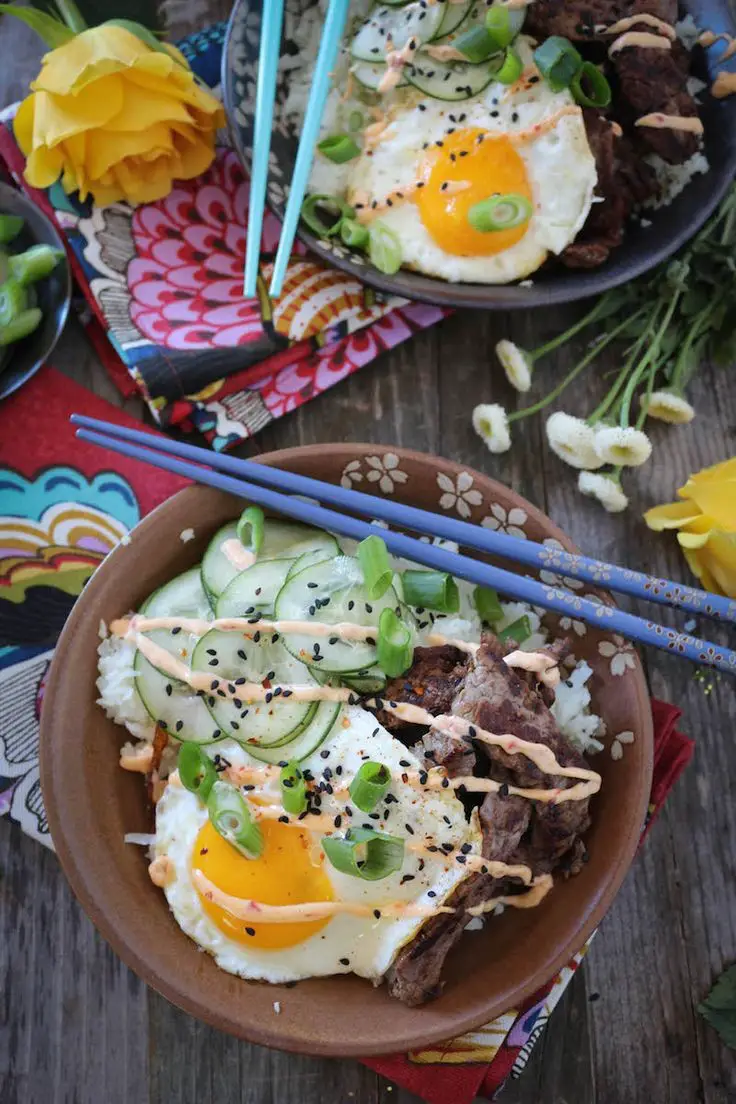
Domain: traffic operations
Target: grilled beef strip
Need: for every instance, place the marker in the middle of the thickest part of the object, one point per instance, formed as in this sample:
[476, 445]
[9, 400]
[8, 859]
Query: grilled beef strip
[577, 19]
[431, 683]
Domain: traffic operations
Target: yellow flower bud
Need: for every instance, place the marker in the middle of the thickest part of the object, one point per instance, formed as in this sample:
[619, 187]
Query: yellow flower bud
[116, 119]
[706, 525]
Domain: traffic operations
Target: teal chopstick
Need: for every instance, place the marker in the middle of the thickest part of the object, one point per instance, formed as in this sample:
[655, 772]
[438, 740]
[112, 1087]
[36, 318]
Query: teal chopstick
[268, 61]
[331, 36]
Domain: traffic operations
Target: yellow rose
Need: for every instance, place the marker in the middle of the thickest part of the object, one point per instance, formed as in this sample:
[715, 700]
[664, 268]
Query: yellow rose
[706, 524]
[116, 119]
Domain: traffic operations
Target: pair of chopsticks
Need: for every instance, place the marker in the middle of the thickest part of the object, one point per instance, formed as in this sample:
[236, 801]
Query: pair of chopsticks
[265, 484]
[268, 62]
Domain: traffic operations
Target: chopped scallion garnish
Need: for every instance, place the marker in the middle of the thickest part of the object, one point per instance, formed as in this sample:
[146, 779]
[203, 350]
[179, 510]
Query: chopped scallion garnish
[339, 148]
[433, 590]
[230, 817]
[500, 212]
[511, 69]
[476, 44]
[10, 227]
[558, 61]
[318, 209]
[196, 770]
[293, 789]
[250, 529]
[376, 566]
[519, 630]
[365, 854]
[384, 249]
[590, 87]
[487, 604]
[499, 26]
[369, 785]
[35, 264]
[394, 647]
[356, 120]
[353, 233]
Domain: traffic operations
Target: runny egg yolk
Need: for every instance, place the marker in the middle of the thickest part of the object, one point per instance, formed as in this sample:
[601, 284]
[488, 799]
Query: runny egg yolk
[284, 874]
[485, 164]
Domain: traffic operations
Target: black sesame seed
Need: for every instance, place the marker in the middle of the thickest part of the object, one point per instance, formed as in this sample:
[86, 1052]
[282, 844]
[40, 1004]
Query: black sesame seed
[344, 961]
[242, 655]
[214, 662]
[211, 651]
[284, 819]
[179, 726]
[431, 893]
[325, 754]
[337, 821]
[176, 631]
[169, 689]
[409, 829]
[377, 914]
[461, 859]
[250, 931]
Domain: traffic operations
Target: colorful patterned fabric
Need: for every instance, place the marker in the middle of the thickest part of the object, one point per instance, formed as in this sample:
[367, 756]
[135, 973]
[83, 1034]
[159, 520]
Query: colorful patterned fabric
[164, 281]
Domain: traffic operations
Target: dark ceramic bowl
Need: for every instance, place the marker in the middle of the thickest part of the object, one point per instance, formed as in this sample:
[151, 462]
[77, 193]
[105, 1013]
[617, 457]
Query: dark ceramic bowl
[641, 250]
[91, 803]
[54, 293]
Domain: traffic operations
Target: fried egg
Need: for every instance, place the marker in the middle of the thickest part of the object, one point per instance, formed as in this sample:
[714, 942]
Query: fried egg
[293, 868]
[443, 158]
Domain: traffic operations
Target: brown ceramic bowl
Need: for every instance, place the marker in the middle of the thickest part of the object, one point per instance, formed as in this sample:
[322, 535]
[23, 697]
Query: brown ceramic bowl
[91, 803]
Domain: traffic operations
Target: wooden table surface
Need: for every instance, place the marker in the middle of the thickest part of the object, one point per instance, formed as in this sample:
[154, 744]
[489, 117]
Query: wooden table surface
[76, 1026]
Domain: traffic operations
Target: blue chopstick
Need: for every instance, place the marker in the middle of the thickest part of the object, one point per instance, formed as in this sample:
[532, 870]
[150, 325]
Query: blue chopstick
[520, 587]
[331, 36]
[268, 62]
[529, 553]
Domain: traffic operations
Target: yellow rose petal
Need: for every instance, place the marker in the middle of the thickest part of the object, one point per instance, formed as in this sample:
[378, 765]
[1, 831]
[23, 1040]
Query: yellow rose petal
[194, 159]
[723, 471]
[718, 499]
[43, 167]
[144, 186]
[699, 570]
[719, 559]
[57, 118]
[110, 147]
[670, 516]
[141, 108]
[86, 57]
[23, 124]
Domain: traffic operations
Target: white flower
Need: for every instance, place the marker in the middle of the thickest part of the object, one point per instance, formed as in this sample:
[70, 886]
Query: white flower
[625, 447]
[605, 489]
[491, 424]
[573, 440]
[667, 406]
[617, 747]
[568, 624]
[459, 494]
[351, 474]
[510, 522]
[385, 471]
[619, 653]
[516, 363]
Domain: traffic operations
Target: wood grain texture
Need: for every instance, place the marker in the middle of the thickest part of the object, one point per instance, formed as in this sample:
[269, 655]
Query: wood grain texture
[76, 1027]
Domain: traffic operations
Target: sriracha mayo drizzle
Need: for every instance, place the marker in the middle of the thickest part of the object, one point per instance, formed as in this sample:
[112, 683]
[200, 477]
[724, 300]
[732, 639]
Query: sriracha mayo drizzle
[630, 21]
[644, 39]
[238, 556]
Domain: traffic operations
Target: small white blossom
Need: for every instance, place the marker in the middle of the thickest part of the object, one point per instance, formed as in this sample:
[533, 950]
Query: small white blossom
[385, 471]
[668, 406]
[605, 489]
[458, 494]
[516, 363]
[491, 424]
[622, 446]
[573, 440]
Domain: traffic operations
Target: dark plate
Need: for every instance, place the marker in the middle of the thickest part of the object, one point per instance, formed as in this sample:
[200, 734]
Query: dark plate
[54, 293]
[642, 249]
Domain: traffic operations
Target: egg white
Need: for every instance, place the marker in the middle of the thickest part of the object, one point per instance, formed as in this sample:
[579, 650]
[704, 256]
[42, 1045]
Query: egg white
[368, 945]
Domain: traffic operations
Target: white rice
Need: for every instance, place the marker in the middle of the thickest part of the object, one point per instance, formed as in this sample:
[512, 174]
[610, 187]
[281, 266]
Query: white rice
[673, 179]
[116, 684]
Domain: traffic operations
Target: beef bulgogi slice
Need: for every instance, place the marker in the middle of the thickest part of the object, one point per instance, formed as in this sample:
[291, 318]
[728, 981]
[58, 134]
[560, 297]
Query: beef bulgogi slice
[650, 81]
[443, 749]
[577, 19]
[431, 682]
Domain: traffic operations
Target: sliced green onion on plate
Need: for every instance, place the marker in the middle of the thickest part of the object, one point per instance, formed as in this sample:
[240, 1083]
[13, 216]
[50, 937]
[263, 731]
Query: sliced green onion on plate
[511, 69]
[433, 590]
[339, 148]
[21, 326]
[196, 770]
[356, 120]
[369, 785]
[394, 647]
[10, 227]
[353, 233]
[519, 630]
[35, 264]
[293, 789]
[13, 301]
[250, 528]
[317, 209]
[230, 817]
[500, 27]
[365, 854]
[487, 604]
[476, 44]
[375, 564]
[384, 249]
[590, 87]
[558, 61]
[500, 212]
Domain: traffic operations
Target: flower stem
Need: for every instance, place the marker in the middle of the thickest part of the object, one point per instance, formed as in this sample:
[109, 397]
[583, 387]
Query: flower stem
[650, 357]
[71, 15]
[604, 406]
[586, 320]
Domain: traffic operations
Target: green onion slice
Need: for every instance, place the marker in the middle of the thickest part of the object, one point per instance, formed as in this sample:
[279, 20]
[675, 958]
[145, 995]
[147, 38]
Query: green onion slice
[317, 209]
[35, 264]
[365, 854]
[500, 27]
[13, 301]
[558, 61]
[434, 590]
[376, 566]
[339, 148]
[384, 249]
[500, 212]
[10, 227]
[590, 87]
[293, 789]
[21, 326]
[356, 120]
[394, 647]
[353, 233]
[369, 785]
[250, 528]
[196, 770]
[487, 604]
[519, 630]
[476, 44]
[511, 69]
[230, 817]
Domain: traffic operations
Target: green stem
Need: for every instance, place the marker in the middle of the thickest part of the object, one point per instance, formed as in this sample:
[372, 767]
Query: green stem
[71, 15]
[679, 373]
[649, 357]
[651, 376]
[604, 406]
[586, 320]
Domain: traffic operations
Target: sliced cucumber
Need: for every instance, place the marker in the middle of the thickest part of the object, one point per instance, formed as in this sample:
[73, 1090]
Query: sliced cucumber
[184, 596]
[451, 80]
[370, 74]
[337, 585]
[174, 706]
[253, 592]
[304, 745]
[281, 540]
[455, 14]
[366, 682]
[414, 20]
[314, 556]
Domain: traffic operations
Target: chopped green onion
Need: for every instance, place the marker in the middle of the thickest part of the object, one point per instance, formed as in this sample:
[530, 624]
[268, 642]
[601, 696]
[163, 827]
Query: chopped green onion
[293, 789]
[384, 249]
[333, 207]
[375, 565]
[339, 148]
[353, 233]
[394, 647]
[558, 61]
[500, 212]
[487, 605]
[499, 26]
[476, 44]
[519, 630]
[10, 227]
[356, 120]
[511, 69]
[434, 590]
[21, 326]
[365, 854]
[369, 785]
[589, 86]
[230, 817]
[35, 264]
[196, 770]
[250, 528]
[13, 301]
